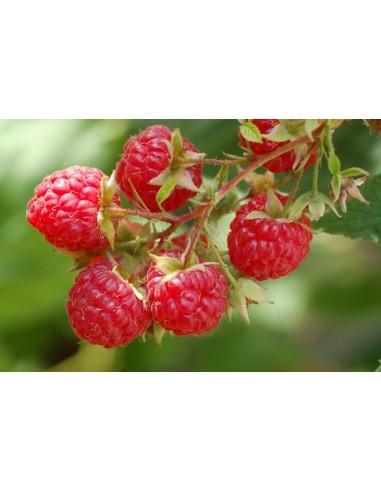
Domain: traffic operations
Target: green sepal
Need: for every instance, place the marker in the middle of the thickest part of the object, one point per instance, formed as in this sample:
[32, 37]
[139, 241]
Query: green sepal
[167, 264]
[238, 301]
[177, 142]
[124, 233]
[316, 207]
[250, 132]
[107, 228]
[158, 333]
[252, 291]
[335, 186]
[278, 134]
[274, 206]
[334, 164]
[108, 189]
[168, 180]
[353, 172]
[298, 206]
[257, 215]
[166, 189]
[330, 203]
[309, 127]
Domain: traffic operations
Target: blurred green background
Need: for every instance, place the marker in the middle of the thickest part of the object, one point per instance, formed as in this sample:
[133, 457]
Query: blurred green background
[326, 315]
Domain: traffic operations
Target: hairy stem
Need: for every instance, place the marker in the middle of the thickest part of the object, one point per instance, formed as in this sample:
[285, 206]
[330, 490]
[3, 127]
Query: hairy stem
[124, 212]
[196, 235]
[218, 257]
[215, 162]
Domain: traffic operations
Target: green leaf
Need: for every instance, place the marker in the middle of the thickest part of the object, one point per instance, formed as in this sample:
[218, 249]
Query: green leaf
[334, 164]
[250, 132]
[361, 221]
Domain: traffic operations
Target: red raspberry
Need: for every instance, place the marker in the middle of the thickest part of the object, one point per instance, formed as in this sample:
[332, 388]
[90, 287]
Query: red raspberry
[65, 207]
[280, 164]
[104, 309]
[191, 303]
[267, 248]
[145, 156]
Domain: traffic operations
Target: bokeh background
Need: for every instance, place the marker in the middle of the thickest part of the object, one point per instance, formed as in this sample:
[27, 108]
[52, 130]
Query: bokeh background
[326, 315]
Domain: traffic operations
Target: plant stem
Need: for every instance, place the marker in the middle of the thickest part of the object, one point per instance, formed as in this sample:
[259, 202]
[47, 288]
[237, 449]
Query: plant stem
[216, 162]
[315, 180]
[196, 235]
[297, 178]
[219, 258]
[123, 212]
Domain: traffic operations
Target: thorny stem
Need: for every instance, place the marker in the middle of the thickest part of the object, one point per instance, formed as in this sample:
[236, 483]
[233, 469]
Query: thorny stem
[216, 162]
[196, 235]
[218, 256]
[123, 212]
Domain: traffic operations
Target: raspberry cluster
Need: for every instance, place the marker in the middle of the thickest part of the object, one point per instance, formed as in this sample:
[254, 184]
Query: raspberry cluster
[135, 279]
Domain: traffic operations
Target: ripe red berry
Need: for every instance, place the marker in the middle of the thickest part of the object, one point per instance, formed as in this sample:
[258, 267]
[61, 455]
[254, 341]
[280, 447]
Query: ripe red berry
[267, 248]
[147, 155]
[104, 309]
[282, 163]
[190, 303]
[65, 207]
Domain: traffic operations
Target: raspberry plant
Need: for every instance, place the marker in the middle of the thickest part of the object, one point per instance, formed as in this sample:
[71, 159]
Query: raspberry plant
[145, 278]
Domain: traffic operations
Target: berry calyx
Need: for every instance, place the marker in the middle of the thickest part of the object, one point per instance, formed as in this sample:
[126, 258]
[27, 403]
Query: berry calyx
[191, 301]
[264, 247]
[65, 208]
[104, 309]
[148, 156]
[284, 162]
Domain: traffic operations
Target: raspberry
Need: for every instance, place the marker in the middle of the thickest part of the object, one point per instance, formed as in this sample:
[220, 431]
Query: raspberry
[103, 307]
[280, 164]
[147, 155]
[267, 248]
[65, 207]
[190, 303]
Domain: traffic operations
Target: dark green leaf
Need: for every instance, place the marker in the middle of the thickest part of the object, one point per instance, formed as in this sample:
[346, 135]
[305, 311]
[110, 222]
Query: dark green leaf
[362, 221]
